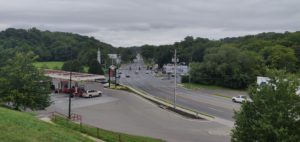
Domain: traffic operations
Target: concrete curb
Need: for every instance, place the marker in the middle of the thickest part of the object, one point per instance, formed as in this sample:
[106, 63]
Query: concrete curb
[166, 103]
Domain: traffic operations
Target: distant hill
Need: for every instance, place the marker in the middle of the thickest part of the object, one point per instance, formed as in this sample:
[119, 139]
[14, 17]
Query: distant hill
[53, 46]
[232, 62]
[17, 126]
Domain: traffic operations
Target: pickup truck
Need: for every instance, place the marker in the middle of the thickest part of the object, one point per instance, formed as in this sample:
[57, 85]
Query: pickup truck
[240, 99]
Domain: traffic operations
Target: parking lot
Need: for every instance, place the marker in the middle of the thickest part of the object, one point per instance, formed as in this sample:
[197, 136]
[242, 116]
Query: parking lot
[125, 112]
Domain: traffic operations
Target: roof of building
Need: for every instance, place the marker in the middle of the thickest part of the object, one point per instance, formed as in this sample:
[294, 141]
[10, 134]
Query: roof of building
[76, 76]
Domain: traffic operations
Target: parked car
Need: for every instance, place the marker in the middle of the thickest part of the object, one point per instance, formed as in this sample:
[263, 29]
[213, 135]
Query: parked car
[127, 75]
[105, 85]
[240, 99]
[91, 93]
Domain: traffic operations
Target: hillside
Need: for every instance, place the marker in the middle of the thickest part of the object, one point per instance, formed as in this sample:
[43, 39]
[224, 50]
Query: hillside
[17, 126]
[232, 62]
[53, 46]
[59, 46]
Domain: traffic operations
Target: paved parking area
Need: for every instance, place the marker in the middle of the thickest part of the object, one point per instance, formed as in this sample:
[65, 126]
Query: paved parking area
[125, 112]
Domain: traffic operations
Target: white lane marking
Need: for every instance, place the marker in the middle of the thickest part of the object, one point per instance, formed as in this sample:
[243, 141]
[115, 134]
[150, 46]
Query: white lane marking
[215, 109]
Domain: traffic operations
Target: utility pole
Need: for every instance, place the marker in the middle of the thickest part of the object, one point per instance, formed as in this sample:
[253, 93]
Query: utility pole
[116, 77]
[70, 95]
[70, 91]
[175, 78]
[190, 71]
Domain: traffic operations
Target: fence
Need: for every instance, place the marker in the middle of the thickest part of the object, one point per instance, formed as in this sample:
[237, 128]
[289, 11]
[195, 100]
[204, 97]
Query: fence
[96, 132]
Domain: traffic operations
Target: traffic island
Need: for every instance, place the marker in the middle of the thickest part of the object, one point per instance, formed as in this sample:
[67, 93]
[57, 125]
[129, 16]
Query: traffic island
[185, 112]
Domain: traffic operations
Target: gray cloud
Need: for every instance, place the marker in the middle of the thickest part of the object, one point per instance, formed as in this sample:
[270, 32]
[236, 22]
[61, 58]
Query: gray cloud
[137, 22]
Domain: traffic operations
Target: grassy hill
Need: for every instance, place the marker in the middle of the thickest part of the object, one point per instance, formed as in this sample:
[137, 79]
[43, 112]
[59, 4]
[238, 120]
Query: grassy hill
[55, 65]
[49, 65]
[22, 127]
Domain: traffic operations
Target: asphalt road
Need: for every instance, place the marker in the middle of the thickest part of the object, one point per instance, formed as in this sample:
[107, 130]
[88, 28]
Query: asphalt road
[219, 107]
[123, 111]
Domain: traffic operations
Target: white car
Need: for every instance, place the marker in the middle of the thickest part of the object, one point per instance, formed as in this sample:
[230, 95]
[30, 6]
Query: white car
[106, 85]
[240, 99]
[91, 93]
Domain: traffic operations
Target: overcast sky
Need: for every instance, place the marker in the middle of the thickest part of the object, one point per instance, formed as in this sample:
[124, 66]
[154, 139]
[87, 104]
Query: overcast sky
[138, 22]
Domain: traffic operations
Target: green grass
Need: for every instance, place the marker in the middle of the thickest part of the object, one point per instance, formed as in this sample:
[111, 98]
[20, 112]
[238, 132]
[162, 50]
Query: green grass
[195, 86]
[105, 135]
[224, 96]
[49, 65]
[148, 63]
[54, 65]
[23, 127]
[85, 69]
[120, 87]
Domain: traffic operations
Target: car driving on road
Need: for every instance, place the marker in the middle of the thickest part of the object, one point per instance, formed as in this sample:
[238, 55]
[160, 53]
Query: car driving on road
[240, 99]
[91, 93]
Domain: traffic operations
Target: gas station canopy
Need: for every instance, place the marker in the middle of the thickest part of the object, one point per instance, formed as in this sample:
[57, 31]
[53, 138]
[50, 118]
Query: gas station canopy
[76, 76]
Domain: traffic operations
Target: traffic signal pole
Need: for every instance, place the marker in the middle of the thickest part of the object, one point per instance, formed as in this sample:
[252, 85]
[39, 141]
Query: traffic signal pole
[108, 77]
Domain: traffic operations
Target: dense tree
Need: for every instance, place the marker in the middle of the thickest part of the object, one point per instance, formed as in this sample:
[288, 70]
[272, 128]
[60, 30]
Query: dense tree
[227, 66]
[22, 85]
[126, 54]
[52, 46]
[268, 50]
[72, 65]
[148, 52]
[164, 55]
[273, 115]
[280, 57]
[95, 67]
[277, 50]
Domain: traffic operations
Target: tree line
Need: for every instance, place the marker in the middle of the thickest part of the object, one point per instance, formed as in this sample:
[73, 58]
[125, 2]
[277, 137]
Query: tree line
[61, 46]
[23, 86]
[231, 62]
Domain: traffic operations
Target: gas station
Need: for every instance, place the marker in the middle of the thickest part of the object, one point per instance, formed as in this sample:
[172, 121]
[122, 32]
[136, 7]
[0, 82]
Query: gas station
[79, 81]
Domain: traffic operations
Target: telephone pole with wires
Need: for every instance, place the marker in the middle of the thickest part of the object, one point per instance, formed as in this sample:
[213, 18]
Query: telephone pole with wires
[190, 70]
[175, 60]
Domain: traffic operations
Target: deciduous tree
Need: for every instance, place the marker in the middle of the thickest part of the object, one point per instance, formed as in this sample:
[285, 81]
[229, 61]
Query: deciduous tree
[274, 114]
[22, 85]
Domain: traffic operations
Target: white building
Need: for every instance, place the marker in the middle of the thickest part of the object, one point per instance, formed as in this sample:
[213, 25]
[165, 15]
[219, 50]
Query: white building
[168, 68]
[99, 56]
[260, 80]
[181, 69]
